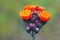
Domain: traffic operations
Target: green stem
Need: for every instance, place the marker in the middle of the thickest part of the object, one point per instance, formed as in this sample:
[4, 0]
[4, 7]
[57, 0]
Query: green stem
[33, 35]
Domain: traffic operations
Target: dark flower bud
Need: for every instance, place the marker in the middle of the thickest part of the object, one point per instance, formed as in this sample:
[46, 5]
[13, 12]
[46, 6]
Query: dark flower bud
[28, 30]
[37, 30]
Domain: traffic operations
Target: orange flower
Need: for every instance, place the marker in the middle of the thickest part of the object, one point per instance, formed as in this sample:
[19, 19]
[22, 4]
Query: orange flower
[37, 8]
[25, 14]
[33, 7]
[28, 7]
[44, 16]
[41, 9]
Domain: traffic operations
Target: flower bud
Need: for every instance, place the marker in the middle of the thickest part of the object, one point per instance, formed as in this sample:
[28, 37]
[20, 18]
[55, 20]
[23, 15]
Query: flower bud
[36, 30]
[28, 29]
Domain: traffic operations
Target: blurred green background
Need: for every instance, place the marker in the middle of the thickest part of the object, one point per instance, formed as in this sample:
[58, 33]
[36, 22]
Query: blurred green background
[11, 26]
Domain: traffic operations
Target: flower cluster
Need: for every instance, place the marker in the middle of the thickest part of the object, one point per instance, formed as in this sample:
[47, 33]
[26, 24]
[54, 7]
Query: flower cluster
[34, 16]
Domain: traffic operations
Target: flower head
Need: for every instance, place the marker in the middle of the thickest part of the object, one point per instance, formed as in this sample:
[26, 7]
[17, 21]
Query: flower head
[44, 16]
[35, 17]
[25, 14]
[34, 8]
[28, 7]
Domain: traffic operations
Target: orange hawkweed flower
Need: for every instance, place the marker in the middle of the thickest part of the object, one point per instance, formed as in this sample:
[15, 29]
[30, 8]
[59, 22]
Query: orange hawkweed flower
[41, 9]
[33, 7]
[44, 16]
[25, 14]
[37, 8]
[28, 7]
